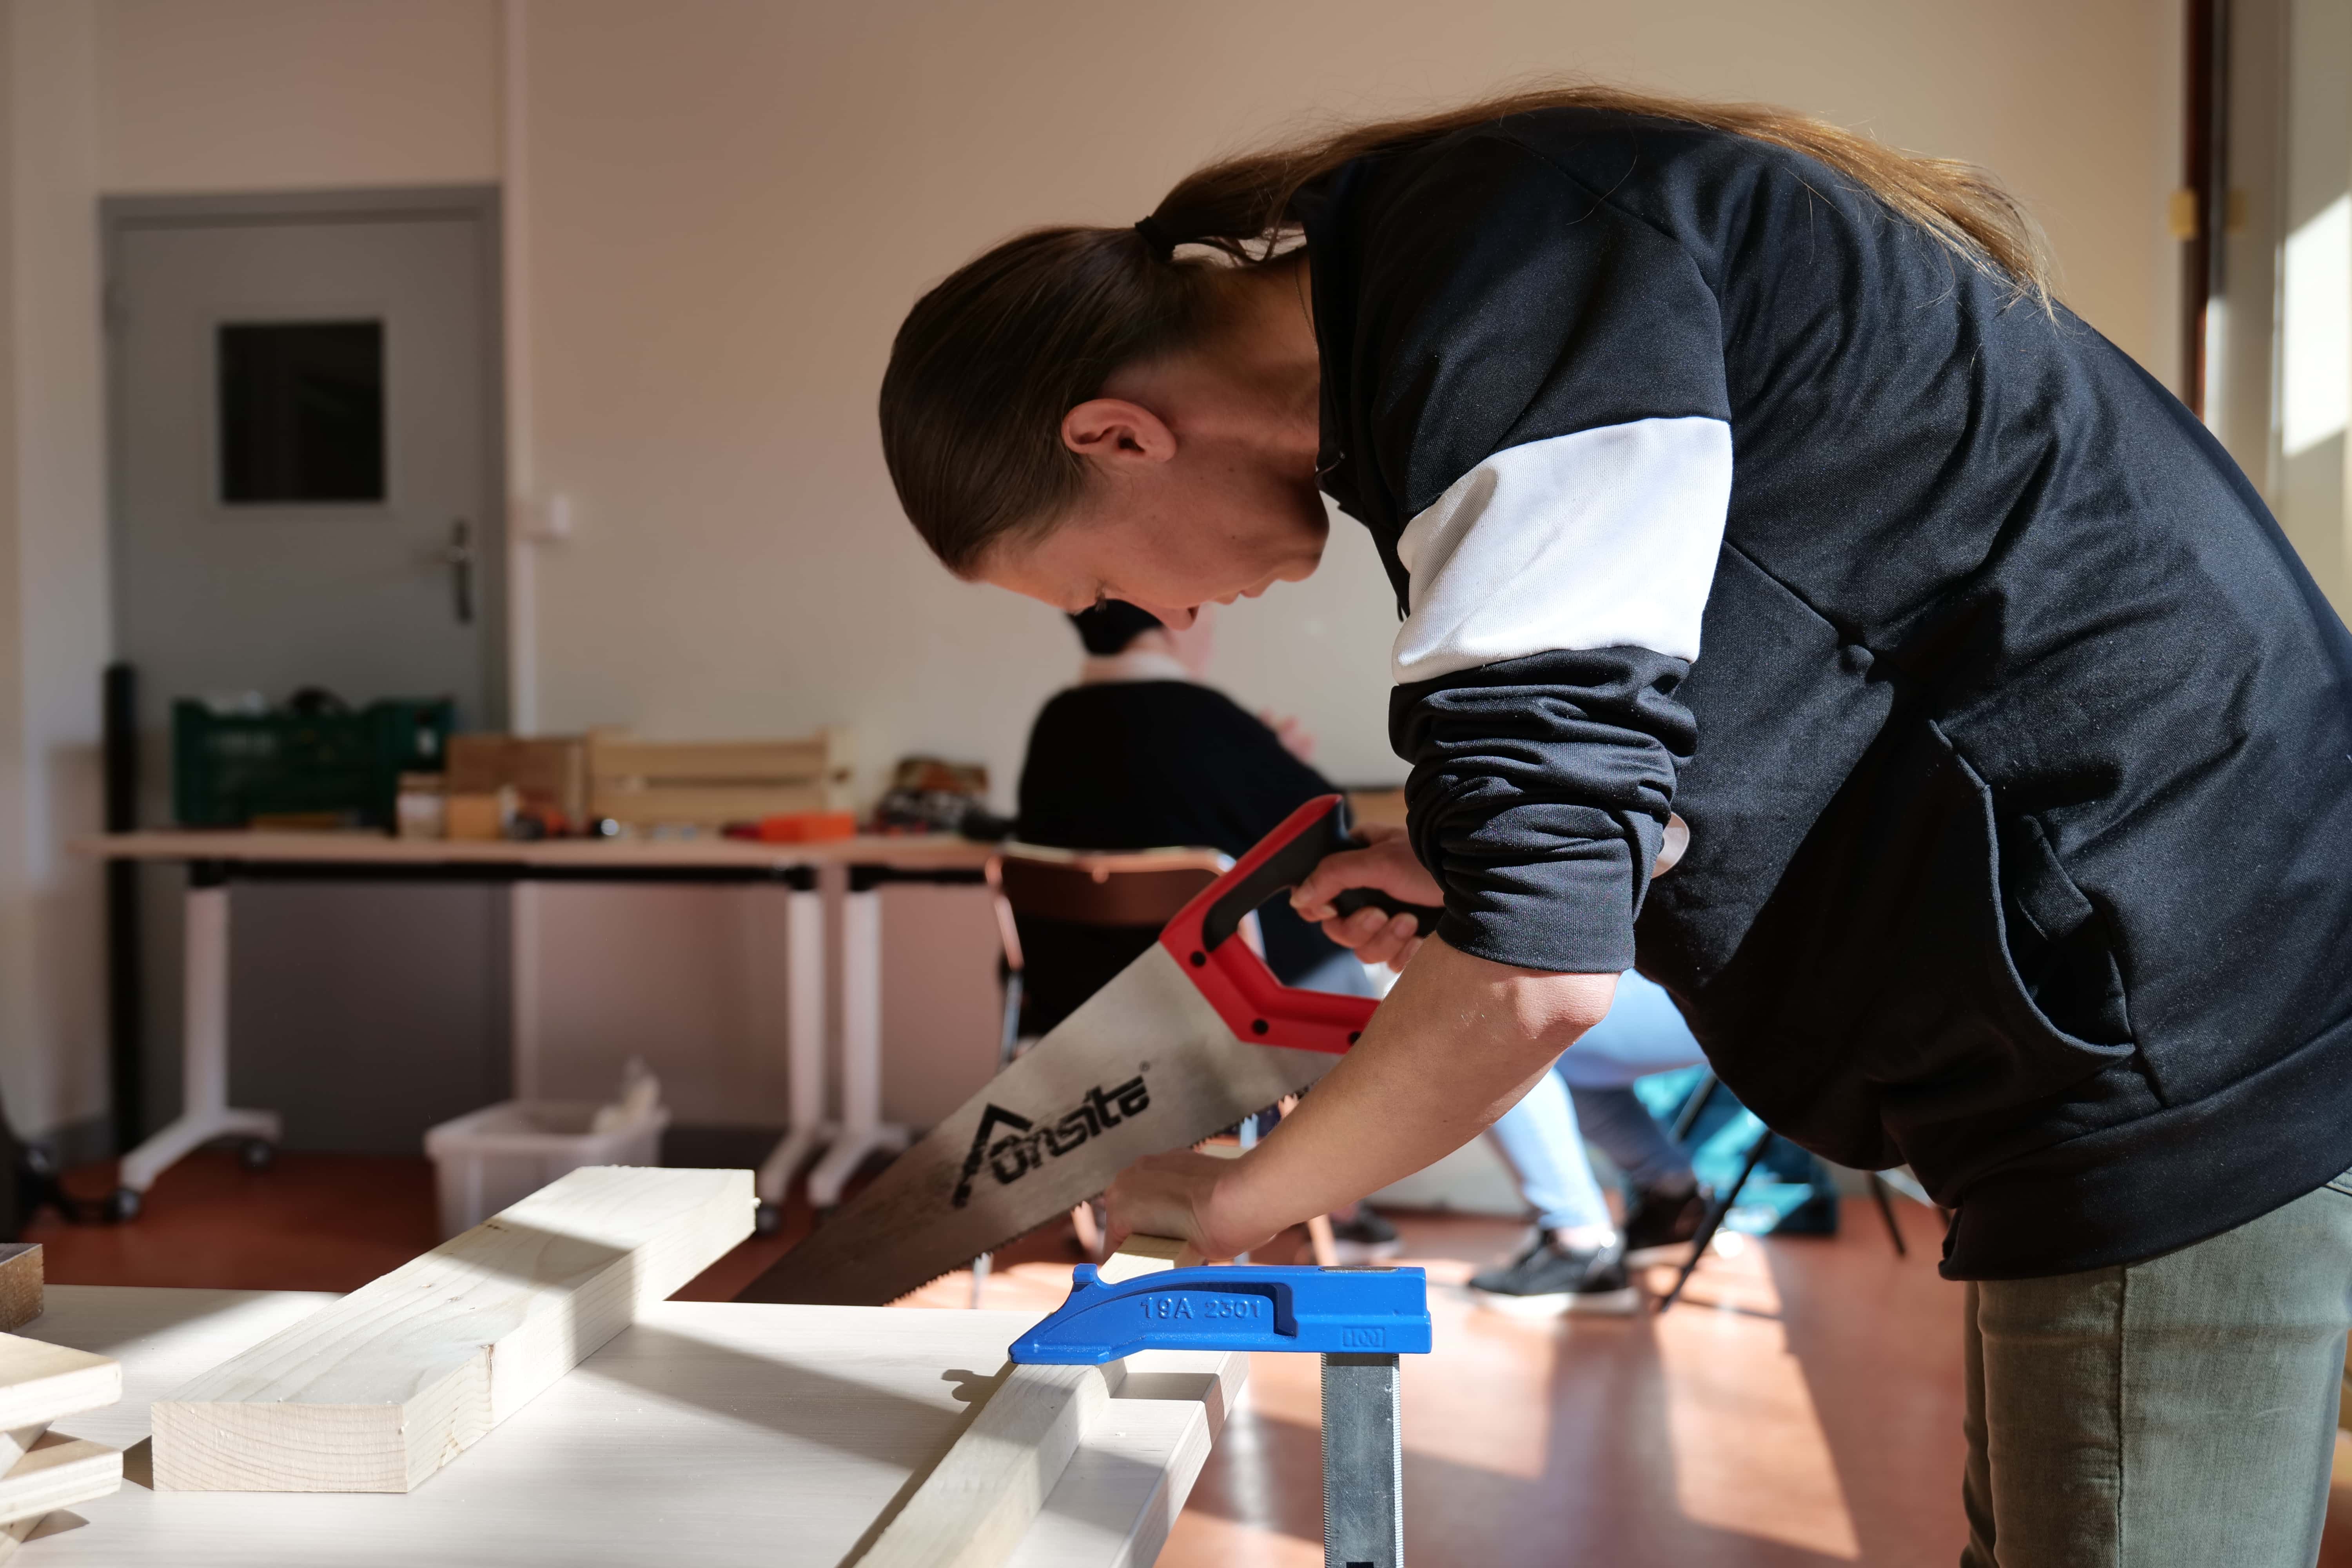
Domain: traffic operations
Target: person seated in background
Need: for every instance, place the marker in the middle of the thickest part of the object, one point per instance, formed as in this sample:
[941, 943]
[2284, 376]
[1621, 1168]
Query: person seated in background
[1143, 754]
[1579, 1258]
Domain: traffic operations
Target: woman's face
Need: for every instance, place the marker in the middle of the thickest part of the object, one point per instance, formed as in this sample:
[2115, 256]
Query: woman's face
[1211, 530]
[1200, 469]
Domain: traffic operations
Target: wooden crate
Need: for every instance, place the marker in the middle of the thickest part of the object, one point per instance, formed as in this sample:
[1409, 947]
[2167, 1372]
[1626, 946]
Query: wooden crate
[712, 782]
[544, 770]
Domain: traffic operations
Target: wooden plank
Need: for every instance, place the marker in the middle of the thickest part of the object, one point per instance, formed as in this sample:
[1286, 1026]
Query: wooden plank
[377, 1392]
[714, 806]
[39, 1383]
[20, 1284]
[1097, 1501]
[58, 1472]
[715, 781]
[982, 1495]
[713, 762]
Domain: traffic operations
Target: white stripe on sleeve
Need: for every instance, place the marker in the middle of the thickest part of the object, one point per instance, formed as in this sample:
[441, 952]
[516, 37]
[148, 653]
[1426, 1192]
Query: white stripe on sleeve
[1600, 539]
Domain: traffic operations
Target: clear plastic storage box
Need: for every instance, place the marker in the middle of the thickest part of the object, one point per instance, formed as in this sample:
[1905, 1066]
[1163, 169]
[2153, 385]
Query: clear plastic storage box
[493, 1158]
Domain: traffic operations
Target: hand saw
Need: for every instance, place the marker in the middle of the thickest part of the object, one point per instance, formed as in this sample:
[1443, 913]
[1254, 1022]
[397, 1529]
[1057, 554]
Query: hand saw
[1190, 1038]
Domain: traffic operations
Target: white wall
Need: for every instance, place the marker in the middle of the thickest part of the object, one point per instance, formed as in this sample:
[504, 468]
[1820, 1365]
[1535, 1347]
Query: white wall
[730, 203]
[220, 95]
[54, 635]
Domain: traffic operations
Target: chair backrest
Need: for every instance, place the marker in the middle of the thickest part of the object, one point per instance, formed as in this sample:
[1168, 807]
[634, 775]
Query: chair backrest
[1125, 888]
[1071, 919]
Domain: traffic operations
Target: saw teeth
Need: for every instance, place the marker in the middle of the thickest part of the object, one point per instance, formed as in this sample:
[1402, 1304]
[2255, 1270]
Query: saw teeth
[1016, 1236]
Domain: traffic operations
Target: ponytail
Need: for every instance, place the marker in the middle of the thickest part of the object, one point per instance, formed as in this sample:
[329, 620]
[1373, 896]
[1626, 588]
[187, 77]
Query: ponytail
[1242, 206]
[987, 364]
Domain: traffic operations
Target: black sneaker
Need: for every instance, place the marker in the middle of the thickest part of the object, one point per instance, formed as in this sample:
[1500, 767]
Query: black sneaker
[1364, 1238]
[1659, 1225]
[1545, 1281]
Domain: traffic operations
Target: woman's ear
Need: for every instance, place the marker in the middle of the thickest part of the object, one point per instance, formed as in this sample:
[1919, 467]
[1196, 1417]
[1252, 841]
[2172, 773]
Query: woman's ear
[1114, 431]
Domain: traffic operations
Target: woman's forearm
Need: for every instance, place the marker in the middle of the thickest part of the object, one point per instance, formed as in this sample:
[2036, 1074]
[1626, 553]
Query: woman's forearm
[1456, 1045]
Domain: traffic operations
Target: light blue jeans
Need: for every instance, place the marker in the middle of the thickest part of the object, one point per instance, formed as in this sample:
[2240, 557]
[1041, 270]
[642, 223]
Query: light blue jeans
[1589, 1094]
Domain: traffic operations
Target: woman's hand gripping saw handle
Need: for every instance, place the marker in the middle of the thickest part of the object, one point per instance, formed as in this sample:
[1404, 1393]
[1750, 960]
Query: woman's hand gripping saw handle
[1385, 865]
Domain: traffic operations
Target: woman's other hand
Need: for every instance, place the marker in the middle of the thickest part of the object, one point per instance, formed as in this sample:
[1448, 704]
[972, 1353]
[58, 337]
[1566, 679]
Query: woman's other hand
[1174, 1196]
[1386, 864]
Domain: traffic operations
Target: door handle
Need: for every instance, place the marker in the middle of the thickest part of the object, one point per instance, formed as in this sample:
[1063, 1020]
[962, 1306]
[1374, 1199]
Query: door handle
[459, 557]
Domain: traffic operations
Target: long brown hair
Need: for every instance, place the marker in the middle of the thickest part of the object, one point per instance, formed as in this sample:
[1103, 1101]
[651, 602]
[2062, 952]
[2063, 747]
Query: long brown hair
[988, 362]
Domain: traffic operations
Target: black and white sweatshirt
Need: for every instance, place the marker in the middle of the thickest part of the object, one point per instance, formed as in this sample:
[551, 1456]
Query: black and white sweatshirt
[2015, 743]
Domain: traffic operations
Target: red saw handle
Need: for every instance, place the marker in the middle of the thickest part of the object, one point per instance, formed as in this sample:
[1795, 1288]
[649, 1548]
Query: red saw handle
[1252, 1003]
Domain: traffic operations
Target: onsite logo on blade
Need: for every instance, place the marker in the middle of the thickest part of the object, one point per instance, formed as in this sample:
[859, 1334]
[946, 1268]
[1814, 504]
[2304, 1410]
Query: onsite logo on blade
[1025, 1145]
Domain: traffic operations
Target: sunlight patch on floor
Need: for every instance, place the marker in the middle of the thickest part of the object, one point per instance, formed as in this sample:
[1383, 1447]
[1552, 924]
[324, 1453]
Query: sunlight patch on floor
[1205, 1538]
[1749, 1452]
[1450, 1412]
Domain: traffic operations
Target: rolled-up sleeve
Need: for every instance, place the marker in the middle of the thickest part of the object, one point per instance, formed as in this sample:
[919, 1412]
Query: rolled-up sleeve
[1540, 793]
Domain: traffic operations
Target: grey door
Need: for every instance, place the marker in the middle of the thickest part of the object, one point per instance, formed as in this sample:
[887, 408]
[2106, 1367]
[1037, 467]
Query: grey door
[304, 398]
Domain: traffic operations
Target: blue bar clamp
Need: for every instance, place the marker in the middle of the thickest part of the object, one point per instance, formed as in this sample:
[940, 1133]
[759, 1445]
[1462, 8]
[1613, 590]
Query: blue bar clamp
[1359, 1320]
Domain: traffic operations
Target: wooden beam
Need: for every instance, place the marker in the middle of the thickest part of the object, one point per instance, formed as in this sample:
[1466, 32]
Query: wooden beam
[378, 1391]
[982, 1497]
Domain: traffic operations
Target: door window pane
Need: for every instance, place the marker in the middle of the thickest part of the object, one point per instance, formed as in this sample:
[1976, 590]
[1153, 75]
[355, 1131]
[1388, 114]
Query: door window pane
[301, 411]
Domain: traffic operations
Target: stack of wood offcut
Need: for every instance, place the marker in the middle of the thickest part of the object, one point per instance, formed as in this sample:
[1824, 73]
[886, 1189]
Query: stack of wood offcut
[47, 1471]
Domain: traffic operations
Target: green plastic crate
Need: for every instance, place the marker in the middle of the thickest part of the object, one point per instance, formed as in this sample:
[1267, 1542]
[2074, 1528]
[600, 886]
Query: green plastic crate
[227, 769]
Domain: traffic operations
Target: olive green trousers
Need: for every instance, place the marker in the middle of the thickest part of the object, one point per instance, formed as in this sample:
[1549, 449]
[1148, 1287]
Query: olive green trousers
[2178, 1413]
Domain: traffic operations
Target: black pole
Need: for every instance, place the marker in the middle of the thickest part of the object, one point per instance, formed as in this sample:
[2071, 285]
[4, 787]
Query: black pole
[125, 1009]
[1713, 1221]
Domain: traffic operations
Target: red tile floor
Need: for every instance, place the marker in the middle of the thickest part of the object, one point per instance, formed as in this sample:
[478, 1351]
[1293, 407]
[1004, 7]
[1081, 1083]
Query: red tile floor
[1802, 1408]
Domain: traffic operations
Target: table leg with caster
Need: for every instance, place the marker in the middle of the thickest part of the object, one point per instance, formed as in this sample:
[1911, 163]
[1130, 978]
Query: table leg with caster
[207, 1113]
[803, 1044]
[862, 1131]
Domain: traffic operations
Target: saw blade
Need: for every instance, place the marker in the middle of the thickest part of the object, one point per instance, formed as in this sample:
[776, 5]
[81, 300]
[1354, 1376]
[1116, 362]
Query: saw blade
[1146, 1065]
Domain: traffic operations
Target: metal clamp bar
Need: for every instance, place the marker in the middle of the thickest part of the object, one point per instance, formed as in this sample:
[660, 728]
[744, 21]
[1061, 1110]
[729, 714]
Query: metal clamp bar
[1363, 1463]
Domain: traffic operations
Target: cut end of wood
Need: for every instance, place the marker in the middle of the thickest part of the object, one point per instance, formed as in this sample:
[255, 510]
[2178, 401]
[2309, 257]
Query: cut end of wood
[1147, 1255]
[239, 1446]
[58, 1472]
[40, 1383]
[20, 1283]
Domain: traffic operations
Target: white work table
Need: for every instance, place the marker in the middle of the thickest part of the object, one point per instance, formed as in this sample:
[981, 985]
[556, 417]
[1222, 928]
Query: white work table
[709, 1434]
[216, 858]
